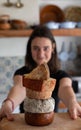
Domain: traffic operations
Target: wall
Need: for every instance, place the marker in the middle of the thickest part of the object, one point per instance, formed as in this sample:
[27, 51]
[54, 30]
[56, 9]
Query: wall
[61, 3]
[29, 12]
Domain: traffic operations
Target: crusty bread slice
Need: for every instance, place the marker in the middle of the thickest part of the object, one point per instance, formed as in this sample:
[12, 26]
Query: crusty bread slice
[39, 81]
[45, 91]
[33, 84]
[40, 85]
[48, 85]
[38, 95]
[41, 72]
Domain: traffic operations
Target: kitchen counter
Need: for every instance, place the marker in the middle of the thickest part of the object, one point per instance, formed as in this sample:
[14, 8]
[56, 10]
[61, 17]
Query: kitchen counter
[62, 121]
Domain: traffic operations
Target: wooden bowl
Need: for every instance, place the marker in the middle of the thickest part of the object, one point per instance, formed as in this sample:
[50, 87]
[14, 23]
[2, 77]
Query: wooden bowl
[18, 24]
[51, 13]
[5, 26]
[5, 18]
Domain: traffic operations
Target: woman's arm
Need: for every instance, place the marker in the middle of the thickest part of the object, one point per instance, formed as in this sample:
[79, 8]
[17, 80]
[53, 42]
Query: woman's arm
[18, 92]
[67, 95]
[16, 95]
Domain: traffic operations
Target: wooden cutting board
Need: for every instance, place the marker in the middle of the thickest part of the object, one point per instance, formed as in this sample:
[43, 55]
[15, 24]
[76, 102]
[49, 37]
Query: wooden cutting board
[61, 121]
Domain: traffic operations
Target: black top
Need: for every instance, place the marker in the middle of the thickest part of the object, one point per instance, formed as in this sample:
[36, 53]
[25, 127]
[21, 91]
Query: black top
[59, 75]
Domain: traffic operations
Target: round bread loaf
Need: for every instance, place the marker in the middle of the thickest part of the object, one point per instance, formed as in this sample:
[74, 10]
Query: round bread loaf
[39, 119]
[39, 106]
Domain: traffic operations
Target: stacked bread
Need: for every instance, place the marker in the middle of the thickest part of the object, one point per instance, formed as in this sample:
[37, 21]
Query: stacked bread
[39, 105]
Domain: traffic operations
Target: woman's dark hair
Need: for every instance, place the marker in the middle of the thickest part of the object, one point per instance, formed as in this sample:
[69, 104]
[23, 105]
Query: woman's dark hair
[41, 31]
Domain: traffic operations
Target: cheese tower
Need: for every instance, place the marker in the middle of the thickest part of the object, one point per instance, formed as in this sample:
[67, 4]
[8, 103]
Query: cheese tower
[39, 105]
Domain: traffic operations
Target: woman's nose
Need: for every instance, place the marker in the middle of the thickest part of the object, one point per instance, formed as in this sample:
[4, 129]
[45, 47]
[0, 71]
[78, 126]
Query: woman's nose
[41, 52]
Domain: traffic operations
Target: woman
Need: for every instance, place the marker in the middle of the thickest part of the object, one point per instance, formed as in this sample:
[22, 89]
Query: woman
[41, 48]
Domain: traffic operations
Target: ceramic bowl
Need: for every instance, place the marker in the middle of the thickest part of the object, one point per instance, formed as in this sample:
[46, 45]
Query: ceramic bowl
[52, 25]
[79, 25]
[68, 24]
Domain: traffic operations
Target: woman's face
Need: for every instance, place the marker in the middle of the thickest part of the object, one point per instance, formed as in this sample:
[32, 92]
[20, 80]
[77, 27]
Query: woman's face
[41, 49]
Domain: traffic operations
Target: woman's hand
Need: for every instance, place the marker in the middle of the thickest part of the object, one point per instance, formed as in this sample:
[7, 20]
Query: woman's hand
[67, 95]
[74, 109]
[6, 110]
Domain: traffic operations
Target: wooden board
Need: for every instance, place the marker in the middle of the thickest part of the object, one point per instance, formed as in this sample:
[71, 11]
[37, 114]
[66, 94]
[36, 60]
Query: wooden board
[61, 121]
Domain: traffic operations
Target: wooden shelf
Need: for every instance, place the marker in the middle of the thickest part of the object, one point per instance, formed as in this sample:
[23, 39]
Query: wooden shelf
[15, 33]
[26, 33]
[67, 32]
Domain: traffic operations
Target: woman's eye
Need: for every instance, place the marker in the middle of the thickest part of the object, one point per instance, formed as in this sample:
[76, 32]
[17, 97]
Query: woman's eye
[46, 48]
[35, 48]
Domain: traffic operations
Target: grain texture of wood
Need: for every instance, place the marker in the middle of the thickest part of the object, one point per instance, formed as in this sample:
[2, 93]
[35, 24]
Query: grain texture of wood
[62, 121]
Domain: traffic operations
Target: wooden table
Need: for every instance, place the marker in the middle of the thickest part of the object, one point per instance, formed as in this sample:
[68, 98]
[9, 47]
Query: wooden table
[62, 121]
